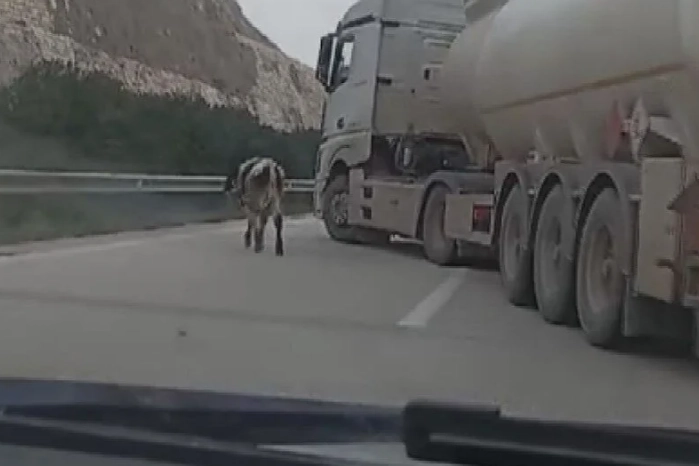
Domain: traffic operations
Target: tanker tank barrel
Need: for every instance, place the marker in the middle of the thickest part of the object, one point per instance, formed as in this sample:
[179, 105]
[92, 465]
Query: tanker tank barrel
[522, 71]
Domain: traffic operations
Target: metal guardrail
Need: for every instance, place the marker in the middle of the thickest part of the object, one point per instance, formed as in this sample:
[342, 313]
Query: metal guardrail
[53, 182]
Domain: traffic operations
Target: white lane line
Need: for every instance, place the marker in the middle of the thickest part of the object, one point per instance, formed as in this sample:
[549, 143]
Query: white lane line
[428, 307]
[233, 227]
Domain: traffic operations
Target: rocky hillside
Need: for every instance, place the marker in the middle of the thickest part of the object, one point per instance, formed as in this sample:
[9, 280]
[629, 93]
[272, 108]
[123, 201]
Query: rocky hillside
[183, 47]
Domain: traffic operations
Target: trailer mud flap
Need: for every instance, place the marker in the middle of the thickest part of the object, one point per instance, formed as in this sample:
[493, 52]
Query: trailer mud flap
[470, 218]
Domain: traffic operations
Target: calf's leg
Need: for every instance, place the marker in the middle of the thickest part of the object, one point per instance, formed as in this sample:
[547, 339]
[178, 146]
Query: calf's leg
[260, 233]
[248, 232]
[278, 223]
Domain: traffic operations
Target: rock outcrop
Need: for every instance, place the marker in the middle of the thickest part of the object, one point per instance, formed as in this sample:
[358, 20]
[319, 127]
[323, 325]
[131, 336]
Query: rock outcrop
[201, 48]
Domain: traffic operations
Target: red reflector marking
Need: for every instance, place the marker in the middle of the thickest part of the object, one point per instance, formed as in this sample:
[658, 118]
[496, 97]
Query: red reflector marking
[480, 212]
[481, 218]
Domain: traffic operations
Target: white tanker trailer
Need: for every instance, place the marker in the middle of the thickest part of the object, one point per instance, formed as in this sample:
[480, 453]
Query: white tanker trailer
[562, 136]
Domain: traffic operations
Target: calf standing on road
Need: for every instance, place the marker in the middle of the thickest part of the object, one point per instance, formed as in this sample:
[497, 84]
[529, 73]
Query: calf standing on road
[259, 185]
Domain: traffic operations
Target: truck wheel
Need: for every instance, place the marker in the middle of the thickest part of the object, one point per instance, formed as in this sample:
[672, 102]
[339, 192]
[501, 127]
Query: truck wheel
[600, 283]
[336, 210]
[438, 248]
[553, 270]
[335, 217]
[514, 258]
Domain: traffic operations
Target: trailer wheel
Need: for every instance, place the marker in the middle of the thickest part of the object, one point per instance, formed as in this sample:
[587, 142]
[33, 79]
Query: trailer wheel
[438, 248]
[553, 269]
[336, 211]
[515, 260]
[600, 283]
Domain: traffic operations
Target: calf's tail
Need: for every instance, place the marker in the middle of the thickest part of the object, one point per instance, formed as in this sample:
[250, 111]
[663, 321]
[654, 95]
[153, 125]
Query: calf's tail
[229, 185]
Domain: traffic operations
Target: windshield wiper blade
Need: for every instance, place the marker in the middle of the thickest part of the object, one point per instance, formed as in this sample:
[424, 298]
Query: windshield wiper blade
[483, 436]
[228, 417]
[125, 443]
[252, 425]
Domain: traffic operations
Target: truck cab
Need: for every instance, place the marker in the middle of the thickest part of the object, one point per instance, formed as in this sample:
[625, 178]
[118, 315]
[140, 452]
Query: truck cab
[384, 132]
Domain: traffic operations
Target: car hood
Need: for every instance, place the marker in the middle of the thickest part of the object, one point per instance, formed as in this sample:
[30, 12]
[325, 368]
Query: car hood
[349, 431]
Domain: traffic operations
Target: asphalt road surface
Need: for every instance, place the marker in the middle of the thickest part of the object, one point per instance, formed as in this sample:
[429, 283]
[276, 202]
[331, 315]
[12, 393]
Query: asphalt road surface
[192, 308]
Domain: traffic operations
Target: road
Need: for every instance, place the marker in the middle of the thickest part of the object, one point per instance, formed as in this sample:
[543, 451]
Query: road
[190, 307]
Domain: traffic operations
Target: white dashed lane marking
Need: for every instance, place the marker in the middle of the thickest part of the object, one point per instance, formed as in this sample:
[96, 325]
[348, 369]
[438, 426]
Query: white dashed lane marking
[434, 302]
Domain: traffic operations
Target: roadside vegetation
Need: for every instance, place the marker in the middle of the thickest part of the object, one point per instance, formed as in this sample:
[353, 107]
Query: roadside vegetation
[55, 118]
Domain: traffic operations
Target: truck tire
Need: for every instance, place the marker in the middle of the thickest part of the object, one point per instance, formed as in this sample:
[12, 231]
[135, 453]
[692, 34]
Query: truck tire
[335, 210]
[335, 217]
[553, 269]
[600, 283]
[513, 254]
[438, 248]
[371, 236]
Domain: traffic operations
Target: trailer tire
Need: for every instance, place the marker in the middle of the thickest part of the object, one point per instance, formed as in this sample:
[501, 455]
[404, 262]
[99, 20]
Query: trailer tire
[437, 247]
[335, 210]
[600, 283]
[513, 253]
[554, 271]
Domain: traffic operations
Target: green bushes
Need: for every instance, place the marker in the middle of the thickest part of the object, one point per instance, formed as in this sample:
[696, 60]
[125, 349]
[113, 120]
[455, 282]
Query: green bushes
[97, 119]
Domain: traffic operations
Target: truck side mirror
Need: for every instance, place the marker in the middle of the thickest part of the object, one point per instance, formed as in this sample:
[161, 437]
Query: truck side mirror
[324, 58]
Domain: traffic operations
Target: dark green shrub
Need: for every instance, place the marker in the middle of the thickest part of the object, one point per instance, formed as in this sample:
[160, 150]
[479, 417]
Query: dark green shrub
[99, 120]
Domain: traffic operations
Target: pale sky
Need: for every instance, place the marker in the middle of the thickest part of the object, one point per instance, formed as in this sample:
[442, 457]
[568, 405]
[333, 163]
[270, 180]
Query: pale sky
[296, 26]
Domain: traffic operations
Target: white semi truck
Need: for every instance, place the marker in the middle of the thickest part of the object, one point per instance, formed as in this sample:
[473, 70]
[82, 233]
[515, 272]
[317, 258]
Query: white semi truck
[562, 136]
